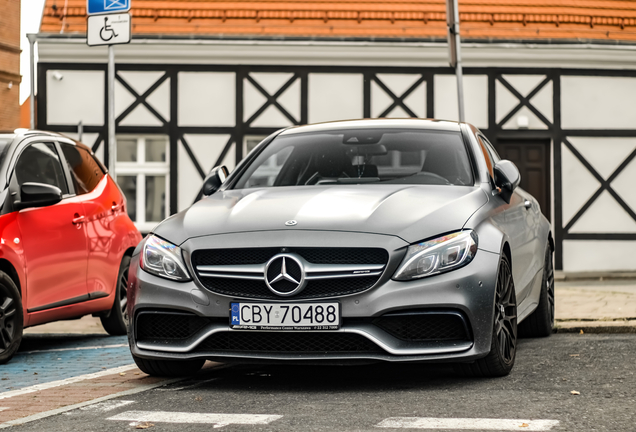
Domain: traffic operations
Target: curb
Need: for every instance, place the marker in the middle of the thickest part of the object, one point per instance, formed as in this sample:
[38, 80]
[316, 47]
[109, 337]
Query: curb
[596, 327]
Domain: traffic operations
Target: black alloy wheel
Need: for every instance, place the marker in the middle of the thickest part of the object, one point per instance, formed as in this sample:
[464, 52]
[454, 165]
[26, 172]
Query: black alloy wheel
[540, 323]
[503, 349]
[116, 321]
[11, 318]
[506, 314]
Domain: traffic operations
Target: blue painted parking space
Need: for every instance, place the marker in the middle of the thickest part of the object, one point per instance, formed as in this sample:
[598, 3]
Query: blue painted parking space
[46, 358]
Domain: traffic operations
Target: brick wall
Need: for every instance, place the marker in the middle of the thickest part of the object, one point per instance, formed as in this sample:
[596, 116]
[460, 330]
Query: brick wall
[9, 64]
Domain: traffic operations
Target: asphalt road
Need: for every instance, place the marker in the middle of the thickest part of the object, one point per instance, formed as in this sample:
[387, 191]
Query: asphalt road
[310, 398]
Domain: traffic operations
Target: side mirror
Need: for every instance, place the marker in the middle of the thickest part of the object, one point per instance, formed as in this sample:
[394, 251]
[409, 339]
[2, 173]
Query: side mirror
[38, 195]
[214, 180]
[507, 178]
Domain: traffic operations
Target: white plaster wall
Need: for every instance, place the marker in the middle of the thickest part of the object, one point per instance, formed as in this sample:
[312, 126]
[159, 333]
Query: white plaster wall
[585, 255]
[505, 101]
[398, 84]
[605, 155]
[78, 96]
[475, 99]
[598, 102]
[253, 99]
[159, 99]
[206, 149]
[335, 97]
[206, 99]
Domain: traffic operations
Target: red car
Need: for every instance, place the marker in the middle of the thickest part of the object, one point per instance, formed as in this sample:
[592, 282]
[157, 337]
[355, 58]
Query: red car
[65, 237]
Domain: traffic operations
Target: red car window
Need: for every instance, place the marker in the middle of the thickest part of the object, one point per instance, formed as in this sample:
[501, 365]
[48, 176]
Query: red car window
[85, 171]
[40, 163]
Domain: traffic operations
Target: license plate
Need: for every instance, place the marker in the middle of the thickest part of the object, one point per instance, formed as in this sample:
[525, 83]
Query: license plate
[285, 316]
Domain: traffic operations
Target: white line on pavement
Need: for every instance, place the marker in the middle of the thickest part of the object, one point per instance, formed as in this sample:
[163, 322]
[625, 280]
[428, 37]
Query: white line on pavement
[75, 349]
[44, 386]
[49, 413]
[107, 405]
[467, 424]
[219, 420]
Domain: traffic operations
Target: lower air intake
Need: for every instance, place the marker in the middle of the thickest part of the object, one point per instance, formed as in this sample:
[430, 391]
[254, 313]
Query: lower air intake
[282, 342]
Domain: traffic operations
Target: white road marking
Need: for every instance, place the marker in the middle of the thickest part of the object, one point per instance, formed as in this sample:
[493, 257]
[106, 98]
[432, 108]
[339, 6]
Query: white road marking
[219, 420]
[75, 349]
[61, 410]
[467, 424]
[107, 405]
[52, 384]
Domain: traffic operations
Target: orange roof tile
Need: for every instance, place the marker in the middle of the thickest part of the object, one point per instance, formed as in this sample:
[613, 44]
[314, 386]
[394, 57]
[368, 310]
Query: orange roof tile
[480, 19]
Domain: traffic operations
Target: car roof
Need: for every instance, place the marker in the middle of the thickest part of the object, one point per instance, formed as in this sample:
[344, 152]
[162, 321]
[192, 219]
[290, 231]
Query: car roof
[426, 124]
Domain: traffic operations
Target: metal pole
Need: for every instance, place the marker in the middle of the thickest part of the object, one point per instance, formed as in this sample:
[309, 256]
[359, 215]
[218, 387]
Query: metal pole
[80, 131]
[112, 141]
[32, 38]
[458, 65]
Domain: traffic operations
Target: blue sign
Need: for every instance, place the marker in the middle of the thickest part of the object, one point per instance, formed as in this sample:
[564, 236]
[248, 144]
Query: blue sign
[107, 6]
[236, 314]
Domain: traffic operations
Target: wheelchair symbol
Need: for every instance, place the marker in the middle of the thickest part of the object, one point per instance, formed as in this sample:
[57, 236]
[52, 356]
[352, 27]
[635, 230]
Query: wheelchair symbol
[108, 31]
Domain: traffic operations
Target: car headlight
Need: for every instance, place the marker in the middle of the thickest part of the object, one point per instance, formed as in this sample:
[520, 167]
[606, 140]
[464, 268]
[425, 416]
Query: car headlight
[162, 258]
[438, 255]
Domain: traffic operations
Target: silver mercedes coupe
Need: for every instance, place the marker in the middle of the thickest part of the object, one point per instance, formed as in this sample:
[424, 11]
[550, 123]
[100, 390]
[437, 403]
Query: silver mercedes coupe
[348, 242]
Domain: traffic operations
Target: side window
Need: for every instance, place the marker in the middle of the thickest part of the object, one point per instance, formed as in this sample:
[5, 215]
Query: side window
[487, 157]
[40, 163]
[85, 170]
[493, 153]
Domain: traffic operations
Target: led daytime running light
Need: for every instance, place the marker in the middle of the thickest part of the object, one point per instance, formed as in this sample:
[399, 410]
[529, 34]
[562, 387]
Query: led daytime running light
[438, 255]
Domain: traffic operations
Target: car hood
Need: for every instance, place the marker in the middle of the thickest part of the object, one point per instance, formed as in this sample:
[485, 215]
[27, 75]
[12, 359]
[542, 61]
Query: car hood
[411, 212]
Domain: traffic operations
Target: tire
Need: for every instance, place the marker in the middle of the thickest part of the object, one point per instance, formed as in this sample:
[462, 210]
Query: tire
[11, 318]
[541, 322]
[169, 368]
[503, 348]
[116, 322]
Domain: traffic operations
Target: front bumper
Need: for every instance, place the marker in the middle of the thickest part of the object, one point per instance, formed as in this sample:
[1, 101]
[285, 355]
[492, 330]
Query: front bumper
[469, 291]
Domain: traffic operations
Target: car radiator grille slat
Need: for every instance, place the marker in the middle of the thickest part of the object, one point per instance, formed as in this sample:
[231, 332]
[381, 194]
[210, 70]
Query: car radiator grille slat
[315, 288]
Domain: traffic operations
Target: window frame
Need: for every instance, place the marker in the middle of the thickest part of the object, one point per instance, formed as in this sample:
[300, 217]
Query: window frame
[140, 169]
[12, 176]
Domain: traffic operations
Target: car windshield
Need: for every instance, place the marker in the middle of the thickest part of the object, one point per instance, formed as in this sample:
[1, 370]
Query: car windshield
[354, 156]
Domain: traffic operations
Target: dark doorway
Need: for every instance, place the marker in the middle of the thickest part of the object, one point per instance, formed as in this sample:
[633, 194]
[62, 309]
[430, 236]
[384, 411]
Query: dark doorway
[532, 157]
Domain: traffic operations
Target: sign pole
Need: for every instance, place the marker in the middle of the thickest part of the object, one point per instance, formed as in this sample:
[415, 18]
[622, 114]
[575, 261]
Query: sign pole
[108, 23]
[112, 140]
[454, 48]
[32, 39]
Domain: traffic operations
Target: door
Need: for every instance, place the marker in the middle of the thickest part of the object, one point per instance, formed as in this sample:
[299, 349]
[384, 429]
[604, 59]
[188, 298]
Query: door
[532, 157]
[102, 203]
[53, 237]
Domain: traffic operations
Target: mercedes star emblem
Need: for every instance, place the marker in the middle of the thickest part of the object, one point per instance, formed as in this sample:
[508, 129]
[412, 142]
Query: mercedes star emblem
[285, 275]
[291, 223]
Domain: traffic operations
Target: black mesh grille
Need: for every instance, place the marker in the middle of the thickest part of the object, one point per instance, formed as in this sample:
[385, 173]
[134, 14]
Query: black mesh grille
[153, 326]
[422, 327]
[280, 342]
[312, 255]
[314, 288]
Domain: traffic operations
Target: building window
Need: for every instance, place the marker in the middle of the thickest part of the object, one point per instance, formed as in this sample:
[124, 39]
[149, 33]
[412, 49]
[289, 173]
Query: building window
[143, 173]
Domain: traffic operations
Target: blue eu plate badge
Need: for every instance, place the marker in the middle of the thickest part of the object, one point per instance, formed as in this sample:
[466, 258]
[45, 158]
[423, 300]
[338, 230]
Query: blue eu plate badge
[235, 313]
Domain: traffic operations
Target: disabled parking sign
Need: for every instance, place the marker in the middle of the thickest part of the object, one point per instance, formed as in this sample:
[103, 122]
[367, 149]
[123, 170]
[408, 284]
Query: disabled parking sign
[106, 6]
[108, 29]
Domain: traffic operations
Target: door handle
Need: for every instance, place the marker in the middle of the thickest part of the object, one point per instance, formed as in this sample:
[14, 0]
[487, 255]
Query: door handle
[527, 204]
[116, 207]
[77, 219]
